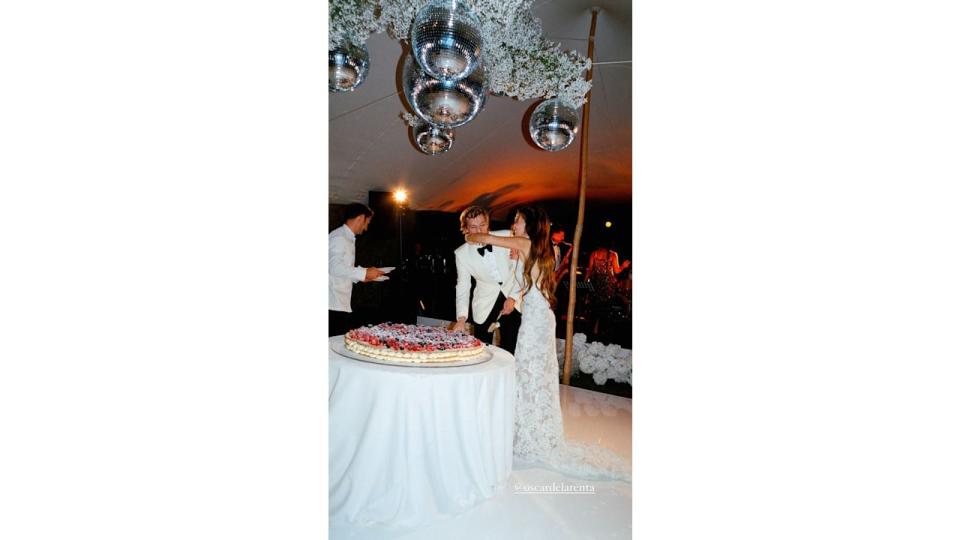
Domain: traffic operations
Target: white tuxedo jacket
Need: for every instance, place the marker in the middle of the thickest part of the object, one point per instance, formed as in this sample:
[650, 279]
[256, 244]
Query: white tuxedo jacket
[494, 271]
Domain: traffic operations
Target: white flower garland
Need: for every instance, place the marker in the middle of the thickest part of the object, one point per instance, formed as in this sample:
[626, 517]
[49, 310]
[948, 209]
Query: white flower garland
[518, 61]
[352, 22]
[603, 362]
[412, 120]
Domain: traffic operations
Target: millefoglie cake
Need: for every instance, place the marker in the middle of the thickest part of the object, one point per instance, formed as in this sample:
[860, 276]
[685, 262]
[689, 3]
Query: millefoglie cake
[412, 343]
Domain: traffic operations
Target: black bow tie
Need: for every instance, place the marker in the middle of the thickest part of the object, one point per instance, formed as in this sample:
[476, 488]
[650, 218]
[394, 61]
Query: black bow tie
[487, 247]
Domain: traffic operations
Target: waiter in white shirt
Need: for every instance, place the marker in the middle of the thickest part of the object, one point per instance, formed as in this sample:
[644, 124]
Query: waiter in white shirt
[343, 271]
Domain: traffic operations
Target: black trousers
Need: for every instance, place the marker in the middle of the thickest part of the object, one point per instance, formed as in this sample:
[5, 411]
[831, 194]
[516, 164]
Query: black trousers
[509, 327]
[340, 322]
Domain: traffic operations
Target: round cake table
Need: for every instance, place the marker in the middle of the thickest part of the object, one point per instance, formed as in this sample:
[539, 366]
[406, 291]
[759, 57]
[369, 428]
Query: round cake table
[408, 444]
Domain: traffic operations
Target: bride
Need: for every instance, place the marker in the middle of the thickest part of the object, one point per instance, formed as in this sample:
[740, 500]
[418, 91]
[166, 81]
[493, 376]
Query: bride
[538, 428]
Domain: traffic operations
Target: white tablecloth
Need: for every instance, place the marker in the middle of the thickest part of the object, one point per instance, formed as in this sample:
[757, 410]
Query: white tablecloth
[408, 444]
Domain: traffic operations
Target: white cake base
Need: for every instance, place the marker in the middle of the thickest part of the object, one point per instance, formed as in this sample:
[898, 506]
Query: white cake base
[339, 348]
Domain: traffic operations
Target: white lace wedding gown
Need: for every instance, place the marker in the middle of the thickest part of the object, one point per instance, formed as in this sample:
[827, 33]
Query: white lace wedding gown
[538, 426]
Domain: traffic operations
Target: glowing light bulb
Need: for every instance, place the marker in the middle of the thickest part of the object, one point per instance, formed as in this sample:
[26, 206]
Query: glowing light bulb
[607, 224]
[400, 195]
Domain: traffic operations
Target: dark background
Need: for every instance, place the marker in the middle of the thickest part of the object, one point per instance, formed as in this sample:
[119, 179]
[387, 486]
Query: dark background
[424, 284]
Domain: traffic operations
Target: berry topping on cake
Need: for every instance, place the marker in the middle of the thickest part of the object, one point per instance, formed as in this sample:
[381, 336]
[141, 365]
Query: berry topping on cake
[412, 343]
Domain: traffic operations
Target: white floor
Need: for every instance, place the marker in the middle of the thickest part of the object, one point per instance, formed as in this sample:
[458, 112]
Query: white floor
[605, 514]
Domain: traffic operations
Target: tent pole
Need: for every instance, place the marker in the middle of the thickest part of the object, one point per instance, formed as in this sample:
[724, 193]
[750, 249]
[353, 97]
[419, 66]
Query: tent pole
[578, 232]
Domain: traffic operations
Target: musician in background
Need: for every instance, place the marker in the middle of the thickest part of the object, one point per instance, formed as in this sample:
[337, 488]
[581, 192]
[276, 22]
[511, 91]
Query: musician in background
[602, 273]
[561, 267]
[561, 252]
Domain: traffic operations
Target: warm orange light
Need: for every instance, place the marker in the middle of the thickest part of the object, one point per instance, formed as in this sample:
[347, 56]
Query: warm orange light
[400, 196]
[607, 224]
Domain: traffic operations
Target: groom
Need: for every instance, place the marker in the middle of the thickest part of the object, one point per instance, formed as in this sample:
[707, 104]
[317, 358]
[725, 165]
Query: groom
[498, 287]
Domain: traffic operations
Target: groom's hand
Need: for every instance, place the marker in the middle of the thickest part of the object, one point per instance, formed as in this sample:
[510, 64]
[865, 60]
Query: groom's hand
[460, 326]
[508, 306]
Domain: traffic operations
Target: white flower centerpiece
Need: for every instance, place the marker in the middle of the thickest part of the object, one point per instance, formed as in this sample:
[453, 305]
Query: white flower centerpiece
[603, 362]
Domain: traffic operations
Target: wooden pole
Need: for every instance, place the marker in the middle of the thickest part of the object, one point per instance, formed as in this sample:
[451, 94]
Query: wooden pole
[578, 232]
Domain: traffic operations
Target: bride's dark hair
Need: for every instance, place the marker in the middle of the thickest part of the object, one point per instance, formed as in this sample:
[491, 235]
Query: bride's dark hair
[541, 252]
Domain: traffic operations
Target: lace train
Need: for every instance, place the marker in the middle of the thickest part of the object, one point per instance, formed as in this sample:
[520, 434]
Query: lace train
[538, 428]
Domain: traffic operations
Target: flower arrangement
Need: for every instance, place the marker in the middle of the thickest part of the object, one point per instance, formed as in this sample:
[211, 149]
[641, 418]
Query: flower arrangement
[603, 362]
[519, 62]
[412, 120]
[352, 22]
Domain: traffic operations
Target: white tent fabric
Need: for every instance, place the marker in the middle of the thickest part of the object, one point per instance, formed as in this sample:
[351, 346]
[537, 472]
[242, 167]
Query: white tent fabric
[492, 161]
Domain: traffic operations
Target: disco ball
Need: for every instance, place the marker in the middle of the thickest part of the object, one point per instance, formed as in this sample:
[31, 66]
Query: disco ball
[432, 140]
[446, 39]
[445, 104]
[553, 125]
[349, 65]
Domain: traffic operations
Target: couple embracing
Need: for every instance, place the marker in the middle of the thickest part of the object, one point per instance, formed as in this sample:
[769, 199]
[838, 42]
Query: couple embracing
[515, 278]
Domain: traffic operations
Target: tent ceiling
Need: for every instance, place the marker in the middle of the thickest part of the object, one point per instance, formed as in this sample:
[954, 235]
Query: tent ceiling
[491, 162]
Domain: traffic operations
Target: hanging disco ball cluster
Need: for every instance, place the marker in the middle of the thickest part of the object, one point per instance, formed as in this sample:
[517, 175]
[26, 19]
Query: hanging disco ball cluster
[445, 104]
[348, 66]
[553, 125]
[444, 81]
[432, 140]
[446, 39]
